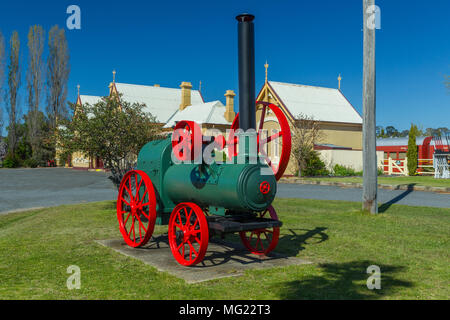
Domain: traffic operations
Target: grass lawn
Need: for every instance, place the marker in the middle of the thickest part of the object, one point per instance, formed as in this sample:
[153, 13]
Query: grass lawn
[400, 180]
[410, 245]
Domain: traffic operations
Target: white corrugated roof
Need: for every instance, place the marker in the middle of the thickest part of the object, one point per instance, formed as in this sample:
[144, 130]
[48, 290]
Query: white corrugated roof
[402, 141]
[161, 102]
[90, 99]
[323, 104]
[210, 112]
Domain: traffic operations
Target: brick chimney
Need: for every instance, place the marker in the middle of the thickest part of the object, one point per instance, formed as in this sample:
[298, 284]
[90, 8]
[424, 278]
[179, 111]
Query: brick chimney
[229, 111]
[185, 95]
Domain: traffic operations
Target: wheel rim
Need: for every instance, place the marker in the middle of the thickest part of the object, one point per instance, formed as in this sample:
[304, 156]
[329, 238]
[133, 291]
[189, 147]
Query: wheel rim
[188, 234]
[136, 208]
[262, 241]
[284, 133]
[186, 137]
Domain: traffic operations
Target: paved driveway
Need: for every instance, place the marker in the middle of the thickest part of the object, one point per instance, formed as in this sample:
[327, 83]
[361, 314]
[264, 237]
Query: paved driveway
[36, 188]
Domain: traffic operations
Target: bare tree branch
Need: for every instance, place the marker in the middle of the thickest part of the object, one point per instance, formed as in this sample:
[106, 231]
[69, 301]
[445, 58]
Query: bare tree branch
[34, 83]
[2, 74]
[305, 134]
[57, 75]
[13, 85]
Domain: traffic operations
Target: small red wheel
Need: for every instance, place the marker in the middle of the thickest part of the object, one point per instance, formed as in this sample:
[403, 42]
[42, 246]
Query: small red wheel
[262, 241]
[136, 208]
[187, 140]
[283, 132]
[188, 234]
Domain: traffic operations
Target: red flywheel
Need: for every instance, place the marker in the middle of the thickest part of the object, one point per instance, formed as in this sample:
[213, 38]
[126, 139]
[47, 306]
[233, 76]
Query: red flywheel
[187, 140]
[274, 135]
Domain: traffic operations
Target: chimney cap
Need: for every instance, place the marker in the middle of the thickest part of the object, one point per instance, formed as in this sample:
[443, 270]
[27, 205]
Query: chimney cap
[186, 85]
[230, 93]
[245, 17]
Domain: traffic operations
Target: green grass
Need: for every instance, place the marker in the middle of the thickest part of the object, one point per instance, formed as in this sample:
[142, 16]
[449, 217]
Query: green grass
[409, 244]
[400, 180]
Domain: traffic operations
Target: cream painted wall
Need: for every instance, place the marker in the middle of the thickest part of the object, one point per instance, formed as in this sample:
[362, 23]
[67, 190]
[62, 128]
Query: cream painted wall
[348, 158]
[348, 136]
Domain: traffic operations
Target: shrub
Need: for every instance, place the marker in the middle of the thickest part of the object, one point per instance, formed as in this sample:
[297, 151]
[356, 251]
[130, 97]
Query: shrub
[30, 163]
[11, 161]
[343, 171]
[314, 165]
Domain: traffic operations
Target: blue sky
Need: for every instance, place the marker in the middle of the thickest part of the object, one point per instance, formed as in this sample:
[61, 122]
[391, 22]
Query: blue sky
[305, 42]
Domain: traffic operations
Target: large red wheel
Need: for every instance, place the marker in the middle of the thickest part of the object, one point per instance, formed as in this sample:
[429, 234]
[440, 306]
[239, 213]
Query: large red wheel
[265, 137]
[262, 241]
[188, 234]
[187, 140]
[136, 208]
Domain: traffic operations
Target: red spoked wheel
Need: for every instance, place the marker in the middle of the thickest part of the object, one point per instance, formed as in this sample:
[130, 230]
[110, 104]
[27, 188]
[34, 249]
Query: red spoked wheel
[187, 140]
[136, 208]
[280, 135]
[188, 234]
[262, 241]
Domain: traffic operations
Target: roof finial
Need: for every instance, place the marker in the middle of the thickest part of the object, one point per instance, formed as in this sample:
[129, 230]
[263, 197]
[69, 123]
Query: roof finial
[114, 76]
[200, 86]
[78, 89]
[339, 79]
[267, 67]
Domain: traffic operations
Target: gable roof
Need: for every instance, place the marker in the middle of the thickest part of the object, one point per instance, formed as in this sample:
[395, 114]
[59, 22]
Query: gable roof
[210, 112]
[161, 102]
[323, 104]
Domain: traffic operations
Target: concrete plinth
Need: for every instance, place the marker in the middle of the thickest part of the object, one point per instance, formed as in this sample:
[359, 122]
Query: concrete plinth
[223, 259]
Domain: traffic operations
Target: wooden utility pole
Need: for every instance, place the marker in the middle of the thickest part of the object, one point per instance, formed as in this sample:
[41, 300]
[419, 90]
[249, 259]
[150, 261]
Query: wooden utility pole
[370, 172]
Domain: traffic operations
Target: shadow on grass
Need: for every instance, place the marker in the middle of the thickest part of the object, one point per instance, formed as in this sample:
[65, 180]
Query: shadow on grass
[231, 249]
[385, 206]
[343, 281]
[297, 239]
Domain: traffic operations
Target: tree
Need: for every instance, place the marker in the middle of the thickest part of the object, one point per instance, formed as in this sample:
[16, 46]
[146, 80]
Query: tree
[305, 134]
[58, 70]
[411, 154]
[13, 89]
[2, 73]
[34, 85]
[391, 132]
[112, 130]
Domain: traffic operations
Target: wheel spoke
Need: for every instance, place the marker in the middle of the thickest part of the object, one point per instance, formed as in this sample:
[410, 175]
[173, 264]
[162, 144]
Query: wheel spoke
[179, 218]
[188, 218]
[125, 201]
[144, 204]
[192, 247]
[145, 214]
[127, 218]
[273, 137]
[266, 157]
[142, 225]
[195, 224]
[261, 120]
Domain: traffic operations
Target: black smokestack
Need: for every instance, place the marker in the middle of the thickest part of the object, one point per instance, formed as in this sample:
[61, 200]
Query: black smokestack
[246, 56]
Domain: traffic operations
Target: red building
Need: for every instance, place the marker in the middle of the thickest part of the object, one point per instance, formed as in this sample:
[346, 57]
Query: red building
[396, 148]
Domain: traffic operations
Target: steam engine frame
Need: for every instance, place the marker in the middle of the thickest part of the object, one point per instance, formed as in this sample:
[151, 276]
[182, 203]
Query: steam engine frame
[173, 185]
